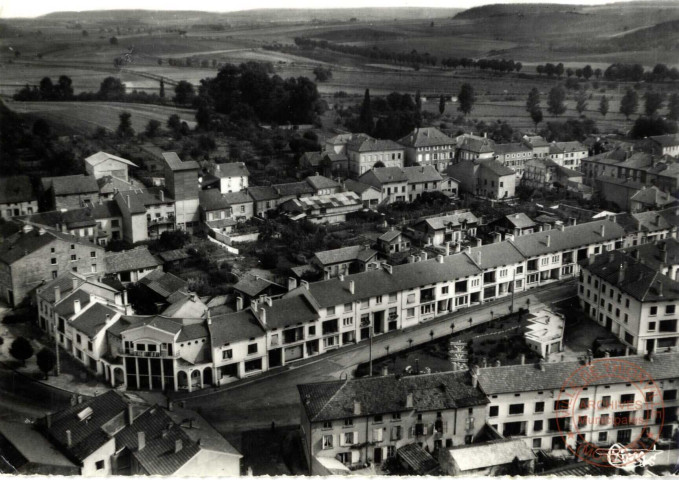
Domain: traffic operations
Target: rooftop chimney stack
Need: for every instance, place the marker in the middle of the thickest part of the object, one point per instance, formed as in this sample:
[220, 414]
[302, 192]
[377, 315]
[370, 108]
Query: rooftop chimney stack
[385, 371]
[447, 248]
[292, 283]
[239, 304]
[305, 284]
[57, 294]
[75, 283]
[141, 441]
[603, 230]
[439, 258]
[162, 195]
[352, 287]
[523, 359]
[357, 407]
[76, 306]
[130, 415]
[262, 316]
[548, 240]
[478, 257]
[69, 438]
[178, 445]
[409, 400]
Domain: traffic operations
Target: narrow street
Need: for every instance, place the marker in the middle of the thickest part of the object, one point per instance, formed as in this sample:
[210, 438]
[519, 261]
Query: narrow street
[255, 404]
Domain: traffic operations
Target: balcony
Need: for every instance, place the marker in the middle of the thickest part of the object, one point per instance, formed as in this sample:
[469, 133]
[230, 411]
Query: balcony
[162, 220]
[138, 353]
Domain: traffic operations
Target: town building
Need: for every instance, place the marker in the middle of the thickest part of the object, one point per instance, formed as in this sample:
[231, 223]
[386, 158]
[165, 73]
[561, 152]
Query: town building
[109, 435]
[181, 181]
[365, 153]
[515, 224]
[147, 214]
[651, 198]
[548, 174]
[544, 333]
[393, 242]
[162, 289]
[513, 155]
[99, 223]
[370, 196]
[473, 147]
[539, 145]
[242, 207]
[422, 179]
[571, 154]
[213, 206]
[392, 182]
[17, 197]
[661, 145]
[494, 458]
[36, 255]
[233, 177]
[109, 186]
[71, 191]
[634, 294]
[332, 208]
[346, 260]
[131, 265]
[485, 178]
[535, 402]
[103, 164]
[429, 146]
[323, 185]
[452, 228]
[366, 420]
[251, 287]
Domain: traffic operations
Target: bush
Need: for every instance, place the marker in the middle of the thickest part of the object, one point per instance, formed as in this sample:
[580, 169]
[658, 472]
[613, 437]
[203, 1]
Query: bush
[21, 349]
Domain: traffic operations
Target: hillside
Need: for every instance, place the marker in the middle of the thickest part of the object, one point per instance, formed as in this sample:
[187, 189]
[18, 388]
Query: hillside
[523, 9]
[662, 35]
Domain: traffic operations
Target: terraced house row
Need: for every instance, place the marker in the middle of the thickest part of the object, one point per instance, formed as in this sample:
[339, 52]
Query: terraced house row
[187, 347]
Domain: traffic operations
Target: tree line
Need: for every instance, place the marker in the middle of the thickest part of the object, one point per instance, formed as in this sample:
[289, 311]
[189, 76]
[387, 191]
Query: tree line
[632, 72]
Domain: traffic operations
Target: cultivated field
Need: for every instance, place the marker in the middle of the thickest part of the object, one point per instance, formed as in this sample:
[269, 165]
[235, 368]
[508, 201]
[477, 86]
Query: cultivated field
[87, 116]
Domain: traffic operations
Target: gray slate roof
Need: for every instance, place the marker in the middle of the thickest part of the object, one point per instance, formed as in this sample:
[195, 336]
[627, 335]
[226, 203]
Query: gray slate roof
[73, 185]
[233, 169]
[426, 137]
[345, 254]
[135, 259]
[16, 189]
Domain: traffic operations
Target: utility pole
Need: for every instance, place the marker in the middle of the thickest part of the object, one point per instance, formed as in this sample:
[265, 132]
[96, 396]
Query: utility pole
[56, 344]
[511, 308]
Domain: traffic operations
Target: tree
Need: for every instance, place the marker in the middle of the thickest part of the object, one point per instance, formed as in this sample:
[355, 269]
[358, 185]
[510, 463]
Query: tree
[64, 88]
[21, 349]
[442, 105]
[581, 104]
[555, 102]
[113, 41]
[536, 116]
[41, 128]
[111, 89]
[174, 123]
[597, 73]
[653, 102]
[673, 107]
[651, 126]
[366, 123]
[46, 88]
[559, 70]
[603, 105]
[587, 72]
[46, 361]
[533, 101]
[184, 93]
[322, 74]
[569, 72]
[540, 69]
[466, 98]
[629, 103]
[152, 128]
[162, 88]
[125, 129]
[84, 33]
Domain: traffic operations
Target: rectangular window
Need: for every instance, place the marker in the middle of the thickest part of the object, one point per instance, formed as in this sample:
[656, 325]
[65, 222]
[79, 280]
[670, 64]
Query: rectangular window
[227, 354]
[312, 330]
[537, 426]
[654, 311]
[516, 409]
[348, 307]
[561, 404]
[410, 312]
[365, 304]
[330, 311]
[74, 258]
[327, 425]
[494, 411]
[396, 416]
[378, 299]
[537, 443]
[539, 407]
[348, 422]
[252, 348]
[53, 261]
[392, 297]
[99, 465]
[327, 442]
[669, 309]
[348, 321]
[377, 419]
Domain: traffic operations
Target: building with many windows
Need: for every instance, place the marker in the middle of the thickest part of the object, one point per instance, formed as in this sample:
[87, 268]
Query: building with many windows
[17, 197]
[365, 152]
[634, 293]
[429, 146]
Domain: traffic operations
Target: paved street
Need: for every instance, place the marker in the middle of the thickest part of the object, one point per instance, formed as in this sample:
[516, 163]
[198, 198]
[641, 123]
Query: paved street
[257, 403]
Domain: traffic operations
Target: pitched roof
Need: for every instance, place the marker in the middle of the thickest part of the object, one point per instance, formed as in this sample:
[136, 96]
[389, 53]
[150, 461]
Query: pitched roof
[174, 255]
[17, 247]
[535, 141]
[175, 163]
[66, 308]
[454, 220]
[236, 198]
[25, 447]
[389, 236]
[260, 194]
[490, 454]
[159, 456]
[234, 327]
[92, 320]
[163, 283]
[426, 137]
[368, 144]
[139, 200]
[653, 196]
[87, 434]
[526, 378]
[312, 158]
[253, 285]
[358, 187]
[475, 144]
[421, 174]
[109, 184]
[345, 254]
[135, 259]
[505, 148]
[211, 200]
[666, 140]
[343, 138]
[520, 220]
[16, 189]
[417, 458]
[652, 253]
[386, 394]
[316, 202]
[388, 174]
[233, 169]
[571, 237]
[293, 188]
[101, 157]
[188, 307]
[77, 218]
[318, 182]
[73, 184]
[496, 167]
[289, 311]
[570, 147]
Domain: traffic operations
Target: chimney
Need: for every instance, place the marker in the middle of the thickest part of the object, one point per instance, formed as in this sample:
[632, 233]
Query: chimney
[478, 242]
[305, 284]
[621, 273]
[69, 438]
[239, 304]
[478, 258]
[262, 316]
[541, 365]
[162, 195]
[663, 252]
[341, 277]
[539, 228]
[57, 294]
[292, 283]
[269, 301]
[178, 445]
[357, 407]
[523, 359]
[75, 283]
[124, 297]
[439, 258]
[590, 259]
[484, 362]
[498, 363]
[76, 306]
[603, 230]
[659, 288]
[48, 420]
[458, 247]
[170, 405]
[409, 400]
[468, 250]
[130, 415]
[561, 227]
[352, 287]
[141, 441]
[128, 201]
[447, 248]
[209, 318]
[385, 371]
[548, 240]
[388, 268]
[424, 256]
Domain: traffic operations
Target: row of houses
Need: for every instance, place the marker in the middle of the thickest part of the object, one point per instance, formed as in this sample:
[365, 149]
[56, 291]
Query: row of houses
[486, 420]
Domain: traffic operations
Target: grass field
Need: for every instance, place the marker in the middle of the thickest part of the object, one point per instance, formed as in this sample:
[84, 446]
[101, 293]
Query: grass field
[87, 116]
